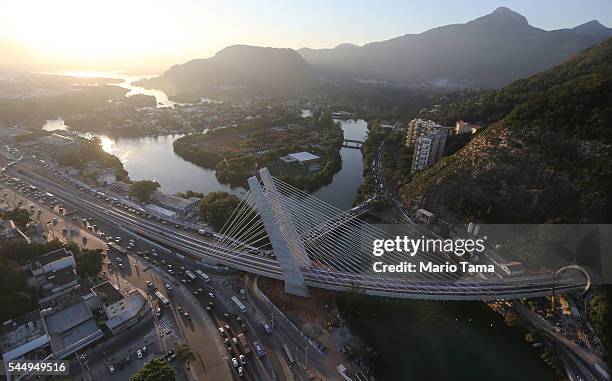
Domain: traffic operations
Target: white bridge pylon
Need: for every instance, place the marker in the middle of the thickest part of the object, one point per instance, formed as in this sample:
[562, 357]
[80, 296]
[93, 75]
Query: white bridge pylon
[283, 237]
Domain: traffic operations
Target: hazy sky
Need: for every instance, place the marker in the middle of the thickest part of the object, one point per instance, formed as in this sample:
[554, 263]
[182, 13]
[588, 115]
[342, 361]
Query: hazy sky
[116, 32]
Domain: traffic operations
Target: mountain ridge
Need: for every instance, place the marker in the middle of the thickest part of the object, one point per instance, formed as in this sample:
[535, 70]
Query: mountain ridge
[239, 69]
[489, 51]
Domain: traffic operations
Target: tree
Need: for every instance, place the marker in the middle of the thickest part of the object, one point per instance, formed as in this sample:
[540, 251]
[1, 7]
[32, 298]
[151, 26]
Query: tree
[89, 263]
[143, 189]
[20, 217]
[154, 370]
[184, 353]
[217, 207]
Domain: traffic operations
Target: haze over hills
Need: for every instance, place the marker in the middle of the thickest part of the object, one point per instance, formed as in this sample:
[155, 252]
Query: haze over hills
[489, 51]
[242, 69]
[545, 157]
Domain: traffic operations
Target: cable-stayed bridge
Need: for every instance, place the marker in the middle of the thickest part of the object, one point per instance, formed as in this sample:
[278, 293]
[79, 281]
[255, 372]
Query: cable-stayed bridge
[281, 232]
[318, 245]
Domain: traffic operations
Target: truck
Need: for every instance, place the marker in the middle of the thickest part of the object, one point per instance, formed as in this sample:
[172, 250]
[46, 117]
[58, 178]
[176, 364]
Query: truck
[244, 343]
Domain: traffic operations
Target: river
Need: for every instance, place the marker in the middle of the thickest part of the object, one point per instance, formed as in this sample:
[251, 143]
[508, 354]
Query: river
[418, 340]
[153, 158]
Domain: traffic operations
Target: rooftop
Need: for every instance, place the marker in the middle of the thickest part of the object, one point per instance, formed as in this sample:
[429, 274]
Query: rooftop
[71, 328]
[134, 302]
[57, 139]
[303, 156]
[53, 256]
[16, 333]
[107, 293]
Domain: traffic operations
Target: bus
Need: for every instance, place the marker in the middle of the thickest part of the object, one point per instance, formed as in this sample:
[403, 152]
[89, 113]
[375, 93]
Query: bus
[202, 275]
[288, 354]
[190, 276]
[238, 304]
[120, 249]
[162, 299]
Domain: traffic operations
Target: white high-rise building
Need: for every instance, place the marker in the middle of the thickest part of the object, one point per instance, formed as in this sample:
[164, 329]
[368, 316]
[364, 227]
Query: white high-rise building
[428, 149]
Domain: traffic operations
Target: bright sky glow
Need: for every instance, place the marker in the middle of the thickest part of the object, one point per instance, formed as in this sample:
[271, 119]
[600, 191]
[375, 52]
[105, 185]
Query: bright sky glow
[116, 33]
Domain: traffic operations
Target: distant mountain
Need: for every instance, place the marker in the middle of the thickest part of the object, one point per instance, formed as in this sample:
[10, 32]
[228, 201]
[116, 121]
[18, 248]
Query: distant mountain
[546, 156]
[239, 69]
[490, 51]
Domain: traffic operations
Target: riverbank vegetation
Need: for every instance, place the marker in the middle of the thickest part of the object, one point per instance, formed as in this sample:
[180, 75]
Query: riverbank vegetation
[89, 155]
[217, 207]
[237, 153]
[143, 189]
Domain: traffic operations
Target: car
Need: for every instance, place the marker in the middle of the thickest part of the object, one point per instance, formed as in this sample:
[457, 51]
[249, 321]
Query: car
[180, 309]
[240, 371]
[144, 349]
[212, 296]
[139, 354]
[266, 327]
[235, 341]
[111, 369]
[242, 359]
[168, 287]
[121, 266]
[234, 362]
[186, 315]
[158, 312]
[259, 349]
[221, 331]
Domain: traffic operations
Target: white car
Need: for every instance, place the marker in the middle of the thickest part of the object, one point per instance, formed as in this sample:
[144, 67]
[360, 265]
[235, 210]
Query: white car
[139, 354]
[242, 359]
[240, 371]
[235, 362]
[235, 340]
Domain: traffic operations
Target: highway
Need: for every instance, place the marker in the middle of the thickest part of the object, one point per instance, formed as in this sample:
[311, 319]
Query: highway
[201, 329]
[398, 287]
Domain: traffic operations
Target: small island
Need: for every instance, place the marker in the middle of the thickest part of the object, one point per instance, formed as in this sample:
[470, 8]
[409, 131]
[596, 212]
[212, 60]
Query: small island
[305, 153]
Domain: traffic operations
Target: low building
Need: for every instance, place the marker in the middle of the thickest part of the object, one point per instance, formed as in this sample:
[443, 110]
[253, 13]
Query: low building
[134, 308]
[305, 157]
[24, 338]
[106, 178]
[8, 230]
[160, 212]
[52, 261]
[54, 273]
[110, 299]
[425, 216]
[175, 202]
[70, 329]
[56, 143]
[462, 127]
[122, 311]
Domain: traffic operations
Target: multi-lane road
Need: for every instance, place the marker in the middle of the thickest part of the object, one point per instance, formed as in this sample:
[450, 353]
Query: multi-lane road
[200, 331]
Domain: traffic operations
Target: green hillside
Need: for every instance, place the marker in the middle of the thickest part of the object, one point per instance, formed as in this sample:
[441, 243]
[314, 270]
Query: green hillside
[545, 155]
